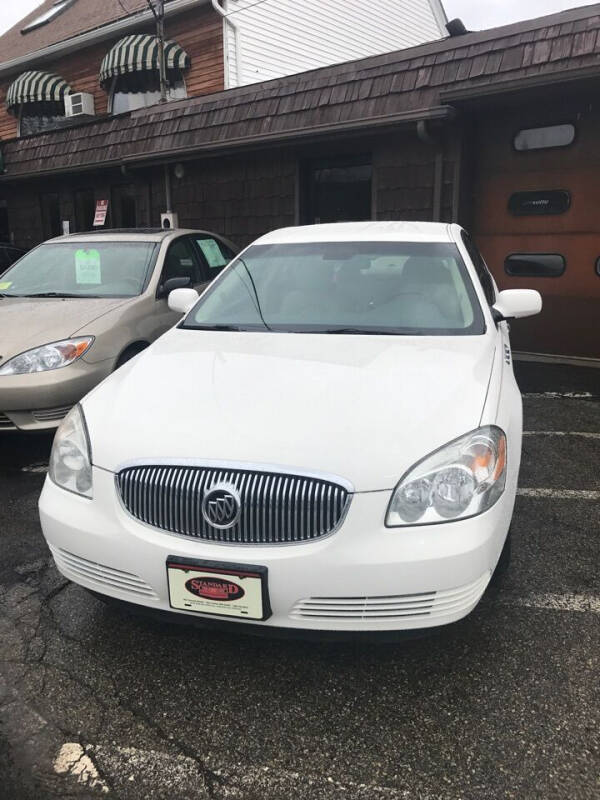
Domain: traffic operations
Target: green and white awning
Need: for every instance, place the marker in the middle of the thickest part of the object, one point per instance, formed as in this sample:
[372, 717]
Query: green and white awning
[139, 53]
[36, 87]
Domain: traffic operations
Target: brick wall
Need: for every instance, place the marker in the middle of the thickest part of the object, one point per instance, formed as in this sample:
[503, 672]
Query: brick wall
[199, 32]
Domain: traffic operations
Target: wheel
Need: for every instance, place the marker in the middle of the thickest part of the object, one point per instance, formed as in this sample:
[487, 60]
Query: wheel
[504, 560]
[129, 353]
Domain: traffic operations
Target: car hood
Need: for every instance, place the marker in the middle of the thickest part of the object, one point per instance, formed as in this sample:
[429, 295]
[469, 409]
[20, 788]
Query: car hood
[27, 322]
[360, 407]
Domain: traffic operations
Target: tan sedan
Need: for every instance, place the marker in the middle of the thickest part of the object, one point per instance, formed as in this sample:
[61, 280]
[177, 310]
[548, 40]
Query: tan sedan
[77, 307]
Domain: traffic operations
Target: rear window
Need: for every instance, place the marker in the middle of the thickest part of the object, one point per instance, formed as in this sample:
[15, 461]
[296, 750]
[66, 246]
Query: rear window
[408, 288]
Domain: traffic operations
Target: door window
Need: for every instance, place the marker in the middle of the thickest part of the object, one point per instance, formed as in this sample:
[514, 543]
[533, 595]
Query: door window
[214, 254]
[338, 190]
[50, 215]
[181, 262]
[124, 212]
[85, 209]
[483, 273]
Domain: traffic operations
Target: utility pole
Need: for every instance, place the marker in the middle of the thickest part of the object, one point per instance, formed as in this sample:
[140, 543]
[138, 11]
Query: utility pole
[158, 9]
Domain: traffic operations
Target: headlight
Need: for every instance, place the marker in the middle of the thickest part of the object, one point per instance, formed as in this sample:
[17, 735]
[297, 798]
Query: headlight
[71, 457]
[462, 479]
[49, 356]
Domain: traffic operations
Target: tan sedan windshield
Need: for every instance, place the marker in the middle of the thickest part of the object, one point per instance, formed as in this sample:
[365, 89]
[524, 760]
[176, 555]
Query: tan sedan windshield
[81, 269]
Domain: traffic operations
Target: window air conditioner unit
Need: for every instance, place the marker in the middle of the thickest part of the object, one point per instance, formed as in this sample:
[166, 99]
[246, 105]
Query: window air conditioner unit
[80, 104]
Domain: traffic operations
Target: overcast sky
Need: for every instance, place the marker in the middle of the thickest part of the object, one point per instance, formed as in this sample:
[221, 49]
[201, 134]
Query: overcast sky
[475, 14]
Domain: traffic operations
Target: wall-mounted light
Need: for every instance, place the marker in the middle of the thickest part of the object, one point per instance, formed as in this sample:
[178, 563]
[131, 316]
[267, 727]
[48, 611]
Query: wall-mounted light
[179, 171]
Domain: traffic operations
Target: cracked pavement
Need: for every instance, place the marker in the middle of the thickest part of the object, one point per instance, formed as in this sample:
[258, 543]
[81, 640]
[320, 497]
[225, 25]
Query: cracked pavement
[95, 702]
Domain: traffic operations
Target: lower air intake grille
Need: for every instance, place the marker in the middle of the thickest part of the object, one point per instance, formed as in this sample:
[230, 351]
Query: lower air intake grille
[274, 508]
[405, 607]
[99, 575]
[51, 414]
[6, 423]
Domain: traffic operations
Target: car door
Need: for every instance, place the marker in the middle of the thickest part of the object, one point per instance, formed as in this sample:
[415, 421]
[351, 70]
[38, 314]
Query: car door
[181, 261]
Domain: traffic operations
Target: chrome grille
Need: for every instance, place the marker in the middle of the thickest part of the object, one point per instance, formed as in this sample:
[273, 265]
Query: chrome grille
[275, 507]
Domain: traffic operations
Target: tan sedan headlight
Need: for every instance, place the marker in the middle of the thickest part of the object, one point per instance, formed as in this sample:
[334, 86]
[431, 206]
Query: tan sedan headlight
[71, 456]
[461, 480]
[48, 357]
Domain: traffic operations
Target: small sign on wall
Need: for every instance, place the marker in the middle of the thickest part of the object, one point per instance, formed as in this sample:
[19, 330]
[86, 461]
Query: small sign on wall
[101, 212]
[538, 204]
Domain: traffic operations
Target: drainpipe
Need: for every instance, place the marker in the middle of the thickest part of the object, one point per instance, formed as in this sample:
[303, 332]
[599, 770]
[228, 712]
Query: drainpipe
[216, 4]
[168, 193]
[426, 137]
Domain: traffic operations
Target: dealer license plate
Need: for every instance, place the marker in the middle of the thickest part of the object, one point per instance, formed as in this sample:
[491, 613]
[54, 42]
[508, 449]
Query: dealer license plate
[224, 590]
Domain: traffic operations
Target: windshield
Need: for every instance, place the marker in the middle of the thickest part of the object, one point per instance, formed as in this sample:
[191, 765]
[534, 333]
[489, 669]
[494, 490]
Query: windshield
[80, 269]
[344, 287]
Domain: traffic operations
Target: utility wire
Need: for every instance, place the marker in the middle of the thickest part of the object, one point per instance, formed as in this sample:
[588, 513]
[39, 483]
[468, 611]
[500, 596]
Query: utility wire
[246, 8]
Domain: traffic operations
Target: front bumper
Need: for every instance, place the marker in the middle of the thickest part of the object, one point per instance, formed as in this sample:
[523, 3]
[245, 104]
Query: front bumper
[39, 401]
[365, 577]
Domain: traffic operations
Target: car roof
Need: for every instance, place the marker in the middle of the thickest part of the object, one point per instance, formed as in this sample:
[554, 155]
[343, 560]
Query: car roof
[361, 232]
[130, 235]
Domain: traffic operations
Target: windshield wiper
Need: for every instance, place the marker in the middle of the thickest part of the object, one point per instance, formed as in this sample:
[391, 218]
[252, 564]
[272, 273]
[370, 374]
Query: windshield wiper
[213, 327]
[57, 294]
[3, 294]
[360, 331]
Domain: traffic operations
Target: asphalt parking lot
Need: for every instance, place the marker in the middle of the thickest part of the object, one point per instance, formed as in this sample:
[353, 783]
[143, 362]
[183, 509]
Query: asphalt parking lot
[506, 704]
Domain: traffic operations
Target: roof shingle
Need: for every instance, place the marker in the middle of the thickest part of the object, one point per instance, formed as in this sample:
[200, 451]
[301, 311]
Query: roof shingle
[82, 16]
[376, 90]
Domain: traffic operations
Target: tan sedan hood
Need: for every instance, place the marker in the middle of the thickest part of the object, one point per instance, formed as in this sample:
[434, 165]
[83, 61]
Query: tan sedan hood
[26, 323]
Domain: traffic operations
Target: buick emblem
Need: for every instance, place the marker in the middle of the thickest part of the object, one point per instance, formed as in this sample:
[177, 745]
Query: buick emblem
[222, 506]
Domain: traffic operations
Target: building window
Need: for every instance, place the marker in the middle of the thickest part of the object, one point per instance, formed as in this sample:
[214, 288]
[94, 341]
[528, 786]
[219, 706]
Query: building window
[51, 225]
[338, 190]
[544, 138]
[39, 117]
[535, 265]
[142, 89]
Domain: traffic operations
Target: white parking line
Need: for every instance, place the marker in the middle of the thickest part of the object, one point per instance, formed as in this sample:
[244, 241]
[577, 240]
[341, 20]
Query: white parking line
[36, 469]
[559, 396]
[580, 434]
[73, 760]
[580, 603]
[560, 494]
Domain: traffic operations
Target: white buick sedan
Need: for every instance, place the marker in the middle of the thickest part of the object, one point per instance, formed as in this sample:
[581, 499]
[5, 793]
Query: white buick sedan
[329, 441]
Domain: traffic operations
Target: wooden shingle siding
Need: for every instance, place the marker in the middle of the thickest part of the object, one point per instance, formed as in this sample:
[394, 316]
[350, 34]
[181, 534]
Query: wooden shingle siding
[199, 33]
[376, 90]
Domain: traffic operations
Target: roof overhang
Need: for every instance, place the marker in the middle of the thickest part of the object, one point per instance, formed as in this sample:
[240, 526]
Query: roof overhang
[556, 81]
[360, 127]
[101, 34]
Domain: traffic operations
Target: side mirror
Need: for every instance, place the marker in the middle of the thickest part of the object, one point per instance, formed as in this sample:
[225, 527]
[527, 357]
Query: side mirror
[171, 284]
[181, 300]
[516, 304]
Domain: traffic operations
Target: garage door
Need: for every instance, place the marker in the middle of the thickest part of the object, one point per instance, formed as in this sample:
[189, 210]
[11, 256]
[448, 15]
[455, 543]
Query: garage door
[537, 221]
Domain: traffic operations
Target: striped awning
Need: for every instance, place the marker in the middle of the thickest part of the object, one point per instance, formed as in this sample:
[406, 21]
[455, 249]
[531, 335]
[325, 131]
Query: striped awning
[36, 87]
[139, 53]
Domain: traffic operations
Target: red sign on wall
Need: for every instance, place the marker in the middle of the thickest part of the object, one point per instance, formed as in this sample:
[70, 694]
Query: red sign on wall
[101, 212]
